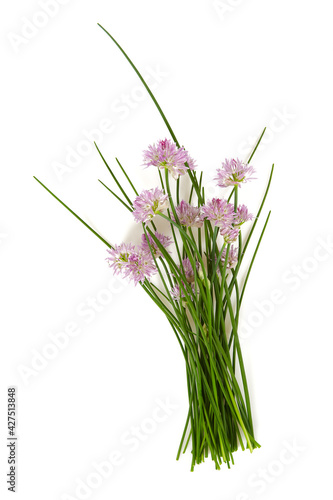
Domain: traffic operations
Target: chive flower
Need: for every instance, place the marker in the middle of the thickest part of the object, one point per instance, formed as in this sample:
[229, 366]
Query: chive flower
[140, 267]
[188, 215]
[177, 292]
[230, 234]
[119, 255]
[148, 203]
[232, 257]
[166, 154]
[164, 240]
[242, 215]
[134, 264]
[233, 173]
[219, 211]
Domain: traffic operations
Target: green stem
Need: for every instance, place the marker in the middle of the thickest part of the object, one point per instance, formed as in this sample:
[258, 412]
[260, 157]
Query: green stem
[75, 215]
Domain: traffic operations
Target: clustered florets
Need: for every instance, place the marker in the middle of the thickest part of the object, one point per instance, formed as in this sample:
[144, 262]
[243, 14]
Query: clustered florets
[233, 173]
[188, 215]
[148, 203]
[137, 263]
[166, 155]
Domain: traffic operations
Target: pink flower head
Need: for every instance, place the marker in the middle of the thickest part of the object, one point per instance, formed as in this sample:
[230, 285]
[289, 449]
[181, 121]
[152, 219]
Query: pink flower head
[188, 270]
[233, 173]
[219, 211]
[128, 262]
[230, 234]
[242, 215]
[119, 256]
[166, 155]
[176, 292]
[164, 240]
[188, 216]
[232, 257]
[140, 267]
[148, 203]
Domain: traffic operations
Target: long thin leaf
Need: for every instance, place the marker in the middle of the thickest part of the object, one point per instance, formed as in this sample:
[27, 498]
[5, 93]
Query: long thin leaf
[145, 85]
[75, 215]
[116, 196]
[113, 176]
[127, 177]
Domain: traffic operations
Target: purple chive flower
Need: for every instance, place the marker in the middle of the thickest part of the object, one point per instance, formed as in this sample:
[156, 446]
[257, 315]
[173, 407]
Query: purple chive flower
[164, 240]
[119, 256]
[230, 234]
[188, 216]
[219, 211]
[132, 264]
[176, 292]
[242, 215]
[188, 270]
[232, 257]
[166, 155]
[148, 203]
[140, 267]
[233, 173]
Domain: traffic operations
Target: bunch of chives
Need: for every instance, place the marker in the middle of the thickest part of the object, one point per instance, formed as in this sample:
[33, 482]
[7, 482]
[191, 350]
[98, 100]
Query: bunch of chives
[198, 288]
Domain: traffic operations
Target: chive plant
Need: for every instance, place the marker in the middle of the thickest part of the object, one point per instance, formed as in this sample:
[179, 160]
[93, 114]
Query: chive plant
[198, 288]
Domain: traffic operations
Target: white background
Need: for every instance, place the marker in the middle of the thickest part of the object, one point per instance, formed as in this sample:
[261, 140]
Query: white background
[225, 71]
